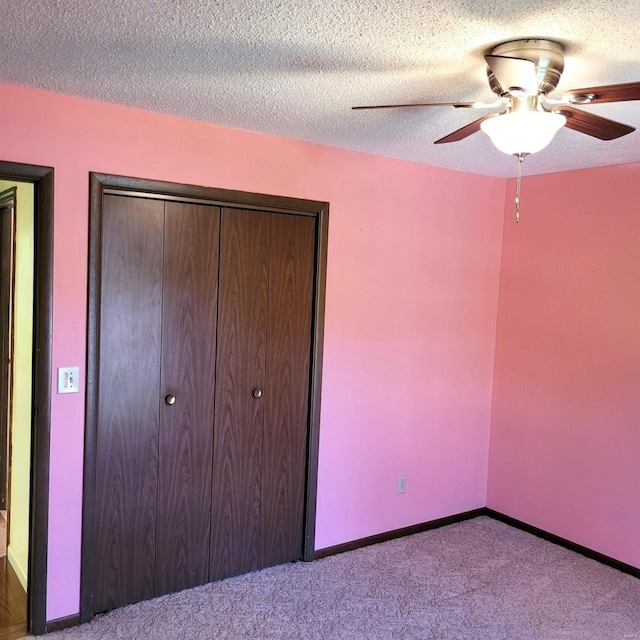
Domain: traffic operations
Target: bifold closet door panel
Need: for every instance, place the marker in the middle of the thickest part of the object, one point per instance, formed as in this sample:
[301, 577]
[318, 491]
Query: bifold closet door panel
[129, 383]
[240, 379]
[286, 398]
[187, 395]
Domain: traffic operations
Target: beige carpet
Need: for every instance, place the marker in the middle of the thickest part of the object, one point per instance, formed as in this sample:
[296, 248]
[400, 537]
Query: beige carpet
[476, 580]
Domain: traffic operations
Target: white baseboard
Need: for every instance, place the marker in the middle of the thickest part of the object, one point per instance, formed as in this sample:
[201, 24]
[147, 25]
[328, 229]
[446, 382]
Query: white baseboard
[20, 571]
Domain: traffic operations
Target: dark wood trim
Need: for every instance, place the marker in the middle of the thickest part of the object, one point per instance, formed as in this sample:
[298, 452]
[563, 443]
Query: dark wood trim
[98, 184]
[8, 200]
[563, 542]
[43, 323]
[43, 180]
[322, 241]
[475, 513]
[63, 623]
[210, 195]
[399, 533]
[93, 340]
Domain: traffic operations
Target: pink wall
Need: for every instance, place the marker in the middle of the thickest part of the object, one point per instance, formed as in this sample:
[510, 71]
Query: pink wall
[413, 271]
[565, 436]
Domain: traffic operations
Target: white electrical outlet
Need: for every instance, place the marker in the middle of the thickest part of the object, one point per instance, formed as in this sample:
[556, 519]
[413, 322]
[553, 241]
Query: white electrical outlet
[68, 379]
[402, 484]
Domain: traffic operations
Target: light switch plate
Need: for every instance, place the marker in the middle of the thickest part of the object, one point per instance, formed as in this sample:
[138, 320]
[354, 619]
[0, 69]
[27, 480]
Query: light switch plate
[68, 379]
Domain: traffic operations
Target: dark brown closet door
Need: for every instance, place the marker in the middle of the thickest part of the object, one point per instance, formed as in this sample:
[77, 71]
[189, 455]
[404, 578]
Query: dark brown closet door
[7, 241]
[129, 384]
[262, 402]
[186, 403]
[286, 397]
[242, 326]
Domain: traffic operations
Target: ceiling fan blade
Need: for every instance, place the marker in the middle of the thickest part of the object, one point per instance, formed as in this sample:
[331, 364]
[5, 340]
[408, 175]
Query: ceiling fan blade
[457, 105]
[594, 125]
[466, 131]
[514, 73]
[606, 93]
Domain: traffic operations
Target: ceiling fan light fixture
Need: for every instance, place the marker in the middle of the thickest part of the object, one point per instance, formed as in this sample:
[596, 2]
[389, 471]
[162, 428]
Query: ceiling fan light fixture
[523, 132]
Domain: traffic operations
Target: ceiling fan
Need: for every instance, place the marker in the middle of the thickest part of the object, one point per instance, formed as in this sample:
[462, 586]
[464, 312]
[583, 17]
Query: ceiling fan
[522, 73]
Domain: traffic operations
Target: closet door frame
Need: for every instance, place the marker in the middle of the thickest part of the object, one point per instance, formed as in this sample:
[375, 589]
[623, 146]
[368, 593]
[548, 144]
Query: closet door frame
[99, 184]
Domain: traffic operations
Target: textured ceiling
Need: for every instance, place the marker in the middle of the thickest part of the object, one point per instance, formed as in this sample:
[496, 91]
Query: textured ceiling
[294, 68]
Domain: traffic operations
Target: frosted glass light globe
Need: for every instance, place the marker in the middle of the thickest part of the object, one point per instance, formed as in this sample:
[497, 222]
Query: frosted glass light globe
[523, 132]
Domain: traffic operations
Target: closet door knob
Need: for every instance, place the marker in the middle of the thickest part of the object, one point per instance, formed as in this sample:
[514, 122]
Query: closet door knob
[257, 393]
[170, 399]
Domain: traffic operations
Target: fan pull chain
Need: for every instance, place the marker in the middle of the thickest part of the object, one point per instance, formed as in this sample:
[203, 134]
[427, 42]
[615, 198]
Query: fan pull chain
[520, 161]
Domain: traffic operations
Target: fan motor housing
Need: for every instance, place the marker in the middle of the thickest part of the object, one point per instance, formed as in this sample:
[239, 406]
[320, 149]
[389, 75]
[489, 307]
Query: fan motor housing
[547, 55]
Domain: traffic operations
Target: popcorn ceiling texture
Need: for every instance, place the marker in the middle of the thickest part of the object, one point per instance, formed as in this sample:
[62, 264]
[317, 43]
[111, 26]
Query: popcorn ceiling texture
[295, 69]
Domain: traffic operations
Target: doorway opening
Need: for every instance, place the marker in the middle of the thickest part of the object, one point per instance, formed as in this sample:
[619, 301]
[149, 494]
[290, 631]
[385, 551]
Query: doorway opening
[16, 358]
[26, 235]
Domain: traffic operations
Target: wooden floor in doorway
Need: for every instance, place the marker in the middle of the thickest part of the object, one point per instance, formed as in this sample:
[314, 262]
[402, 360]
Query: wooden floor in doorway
[13, 604]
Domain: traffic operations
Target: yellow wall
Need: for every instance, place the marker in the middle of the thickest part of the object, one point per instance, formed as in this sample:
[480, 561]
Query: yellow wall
[18, 550]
